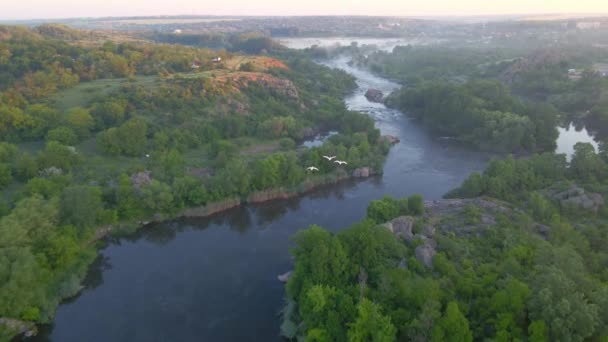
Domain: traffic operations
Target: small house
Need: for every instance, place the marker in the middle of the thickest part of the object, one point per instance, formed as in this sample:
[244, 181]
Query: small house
[216, 59]
[196, 64]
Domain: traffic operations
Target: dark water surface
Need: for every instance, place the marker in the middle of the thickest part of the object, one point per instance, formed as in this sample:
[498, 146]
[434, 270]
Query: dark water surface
[215, 279]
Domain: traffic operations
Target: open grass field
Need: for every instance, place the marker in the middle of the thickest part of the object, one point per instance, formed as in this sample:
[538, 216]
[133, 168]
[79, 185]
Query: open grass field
[85, 92]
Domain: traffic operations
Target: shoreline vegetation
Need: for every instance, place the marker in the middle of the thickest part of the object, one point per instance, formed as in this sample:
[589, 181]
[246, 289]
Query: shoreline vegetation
[257, 197]
[113, 134]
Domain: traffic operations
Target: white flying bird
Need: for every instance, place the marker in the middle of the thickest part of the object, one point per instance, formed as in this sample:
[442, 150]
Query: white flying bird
[312, 168]
[329, 158]
[341, 162]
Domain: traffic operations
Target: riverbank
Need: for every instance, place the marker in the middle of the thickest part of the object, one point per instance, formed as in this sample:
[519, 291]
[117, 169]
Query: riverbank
[256, 197]
[225, 266]
[210, 209]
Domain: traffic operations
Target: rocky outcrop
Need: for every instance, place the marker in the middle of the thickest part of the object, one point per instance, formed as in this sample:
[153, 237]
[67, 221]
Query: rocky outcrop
[577, 197]
[451, 206]
[402, 227]
[279, 85]
[18, 327]
[374, 95]
[283, 278]
[211, 208]
[425, 253]
[362, 172]
[392, 140]
[268, 195]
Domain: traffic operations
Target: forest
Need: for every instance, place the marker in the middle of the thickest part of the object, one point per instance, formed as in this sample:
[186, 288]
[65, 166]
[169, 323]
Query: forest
[500, 97]
[100, 135]
[533, 269]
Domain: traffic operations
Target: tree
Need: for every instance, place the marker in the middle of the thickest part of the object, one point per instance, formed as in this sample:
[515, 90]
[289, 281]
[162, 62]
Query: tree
[371, 324]
[59, 156]
[383, 210]
[63, 135]
[558, 301]
[6, 176]
[326, 310]
[586, 165]
[81, 205]
[452, 326]
[80, 121]
[321, 259]
[415, 204]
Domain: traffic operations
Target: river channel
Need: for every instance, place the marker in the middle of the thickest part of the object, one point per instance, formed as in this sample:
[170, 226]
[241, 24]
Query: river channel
[215, 279]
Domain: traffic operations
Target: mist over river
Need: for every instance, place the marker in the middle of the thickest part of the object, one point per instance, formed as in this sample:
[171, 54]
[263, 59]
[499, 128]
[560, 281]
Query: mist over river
[214, 279]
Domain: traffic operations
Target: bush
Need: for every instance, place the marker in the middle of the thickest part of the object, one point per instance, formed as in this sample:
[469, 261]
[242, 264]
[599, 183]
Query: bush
[63, 135]
[416, 204]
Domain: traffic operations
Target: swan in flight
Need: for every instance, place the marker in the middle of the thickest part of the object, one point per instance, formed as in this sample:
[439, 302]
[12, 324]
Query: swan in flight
[312, 168]
[329, 158]
[341, 162]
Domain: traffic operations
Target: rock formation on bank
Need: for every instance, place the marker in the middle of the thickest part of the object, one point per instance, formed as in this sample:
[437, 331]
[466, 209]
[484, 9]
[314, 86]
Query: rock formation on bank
[460, 217]
[374, 95]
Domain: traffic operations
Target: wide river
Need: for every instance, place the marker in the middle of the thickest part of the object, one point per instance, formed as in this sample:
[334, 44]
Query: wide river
[215, 279]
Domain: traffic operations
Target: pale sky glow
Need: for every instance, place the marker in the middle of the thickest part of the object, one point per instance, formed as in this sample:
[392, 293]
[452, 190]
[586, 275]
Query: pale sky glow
[30, 9]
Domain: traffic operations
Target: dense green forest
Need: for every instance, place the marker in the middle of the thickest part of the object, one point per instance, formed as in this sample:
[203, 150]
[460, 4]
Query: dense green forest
[98, 135]
[527, 264]
[500, 98]
[482, 113]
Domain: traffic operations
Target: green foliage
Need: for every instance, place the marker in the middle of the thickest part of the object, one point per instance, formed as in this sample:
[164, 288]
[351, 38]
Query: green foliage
[80, 121]
[63, 135]
[129, 139]
[81, 205]
[452, 326]
[482, 113]
[371, 325]
[388, 208]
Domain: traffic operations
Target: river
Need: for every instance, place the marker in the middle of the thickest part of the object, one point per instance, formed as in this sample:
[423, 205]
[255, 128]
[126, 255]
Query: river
[215, 279]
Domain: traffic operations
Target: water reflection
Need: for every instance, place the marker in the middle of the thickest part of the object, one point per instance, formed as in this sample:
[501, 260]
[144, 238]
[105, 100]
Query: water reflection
[570, 136]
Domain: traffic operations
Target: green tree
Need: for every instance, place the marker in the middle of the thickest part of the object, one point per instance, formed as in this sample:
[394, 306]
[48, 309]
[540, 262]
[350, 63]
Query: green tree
[6, 176]
[63, 135]
[80, 121]
[557, 301]
[415, 204]
[321, 259]
[81, 205]
[452, 326]
[371, 324]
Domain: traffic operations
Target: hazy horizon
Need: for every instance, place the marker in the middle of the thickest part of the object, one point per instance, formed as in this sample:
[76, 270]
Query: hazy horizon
[62, 9]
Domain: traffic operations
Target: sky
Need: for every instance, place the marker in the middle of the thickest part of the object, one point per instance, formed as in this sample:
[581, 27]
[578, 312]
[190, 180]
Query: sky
[32, 9]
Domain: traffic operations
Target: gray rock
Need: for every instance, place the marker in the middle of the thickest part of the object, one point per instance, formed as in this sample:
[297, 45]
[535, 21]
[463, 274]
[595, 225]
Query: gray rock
[577, 197]
[391, 139]
[428, 231]
[487, 219]
[283, 278]
[425, 254]
[362, 172]
[402, 227]
[374, 95]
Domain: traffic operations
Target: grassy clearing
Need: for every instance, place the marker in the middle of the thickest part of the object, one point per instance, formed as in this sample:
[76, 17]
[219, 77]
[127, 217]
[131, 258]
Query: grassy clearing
[84, 93]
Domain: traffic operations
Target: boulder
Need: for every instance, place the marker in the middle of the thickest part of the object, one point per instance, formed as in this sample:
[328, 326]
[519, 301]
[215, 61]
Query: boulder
[362, 172]
[18, 327]
[374, 95]
[577, 197]
[402, 227]
[391, 139]
[425, 254]
[283, 278]
[428, 231]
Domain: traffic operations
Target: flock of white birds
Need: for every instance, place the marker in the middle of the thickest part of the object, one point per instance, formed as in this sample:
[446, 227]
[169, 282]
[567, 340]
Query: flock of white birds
[329, 158]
